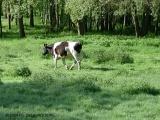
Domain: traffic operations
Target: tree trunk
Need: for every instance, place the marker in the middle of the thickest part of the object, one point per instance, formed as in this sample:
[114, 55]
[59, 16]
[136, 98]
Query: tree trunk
[156, 27]
[128, 20]
[80, 26]
[145, 24]
[9, 21]
[110, 23]
[5, 12]
[97, 25]
[62, 14]
[21, 27]
[124, 21]
[106, 22]
[85, 24]
[136, 25]
[0, 19]
[90, 24]
[52, 15]
[69, 23]
[9, 18]
[57, 15]
[31, 16]
[16, 21]
[102, 24]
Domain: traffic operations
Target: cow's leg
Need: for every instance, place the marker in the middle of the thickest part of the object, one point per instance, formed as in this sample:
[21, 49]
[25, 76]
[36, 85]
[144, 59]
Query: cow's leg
[55, 62]
[64, 63]
[79, 66]
[75, 55]
[73, 65]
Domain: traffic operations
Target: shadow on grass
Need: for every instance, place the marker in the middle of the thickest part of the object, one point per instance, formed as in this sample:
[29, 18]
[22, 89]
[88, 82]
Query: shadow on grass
[10, 35]
[101, 68]
[144, 90]
[56, 95]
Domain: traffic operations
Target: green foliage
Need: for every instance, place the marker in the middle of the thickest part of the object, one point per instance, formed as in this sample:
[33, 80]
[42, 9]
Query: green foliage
[105, 43]
[101, 56]
[89, 86]
[123, 57]
[118, 55]
[23, 71]
[109, 89]
[78, 9]
[42, 78]
[142, 88]
[153, 44]
[1, 83]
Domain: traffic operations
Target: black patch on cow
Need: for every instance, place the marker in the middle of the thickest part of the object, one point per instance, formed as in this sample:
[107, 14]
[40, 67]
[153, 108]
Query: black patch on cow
[60, 49]
[47, 49]
[78, 47]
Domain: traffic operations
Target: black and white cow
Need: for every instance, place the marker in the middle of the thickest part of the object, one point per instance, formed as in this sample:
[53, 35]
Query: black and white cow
[64, 49]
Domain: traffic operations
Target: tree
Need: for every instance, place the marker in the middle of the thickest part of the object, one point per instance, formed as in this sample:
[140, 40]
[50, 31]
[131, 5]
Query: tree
[7, 7]
[155, 8]
[31, 16]
[0, 18]
[21, 5]
[52, 13]
[78, 10]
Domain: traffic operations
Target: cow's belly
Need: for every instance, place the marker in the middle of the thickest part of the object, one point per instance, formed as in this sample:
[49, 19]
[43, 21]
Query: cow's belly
[68, 55]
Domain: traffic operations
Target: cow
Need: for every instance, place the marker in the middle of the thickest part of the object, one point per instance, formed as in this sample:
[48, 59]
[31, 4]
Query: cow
[60, 50]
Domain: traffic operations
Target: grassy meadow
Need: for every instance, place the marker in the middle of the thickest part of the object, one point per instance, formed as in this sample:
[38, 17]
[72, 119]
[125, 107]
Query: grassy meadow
[119, 79]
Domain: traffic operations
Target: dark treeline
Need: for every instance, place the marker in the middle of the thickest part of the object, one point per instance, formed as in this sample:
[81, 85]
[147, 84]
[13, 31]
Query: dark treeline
[138, 17]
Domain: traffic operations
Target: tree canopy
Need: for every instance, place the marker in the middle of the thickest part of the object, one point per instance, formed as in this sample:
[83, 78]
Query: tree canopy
[140, 16]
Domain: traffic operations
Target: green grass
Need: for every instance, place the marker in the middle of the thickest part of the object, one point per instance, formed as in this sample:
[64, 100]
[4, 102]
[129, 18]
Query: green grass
[123, 84]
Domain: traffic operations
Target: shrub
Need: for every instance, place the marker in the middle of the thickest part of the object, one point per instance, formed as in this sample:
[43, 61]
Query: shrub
[84, 55]
[123, 58]
[105, 44]
[11, 56]
[23, 71]
[1, 83]
[90, 87]
[130, 43]
[101, 56]
[144, 88]
[87, 84]
[153, 44]
[41, 78]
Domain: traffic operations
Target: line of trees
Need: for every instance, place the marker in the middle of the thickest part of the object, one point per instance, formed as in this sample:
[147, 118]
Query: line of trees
[137, 16]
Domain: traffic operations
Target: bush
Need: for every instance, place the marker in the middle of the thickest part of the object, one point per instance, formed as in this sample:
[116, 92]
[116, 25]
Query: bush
[153, 44]
[142, 88]
[23, 71]
[41, 78]
[90, 87]
[1, 83]
[87, 84]
[102, 56]
[105, 43]
[123, 58]
[11, 56]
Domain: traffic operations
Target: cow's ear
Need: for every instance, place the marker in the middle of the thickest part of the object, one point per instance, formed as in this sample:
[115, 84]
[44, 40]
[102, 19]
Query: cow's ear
[45, 45]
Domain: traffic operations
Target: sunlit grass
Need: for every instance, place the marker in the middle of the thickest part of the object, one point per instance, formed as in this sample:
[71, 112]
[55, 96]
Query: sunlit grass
[105, 88]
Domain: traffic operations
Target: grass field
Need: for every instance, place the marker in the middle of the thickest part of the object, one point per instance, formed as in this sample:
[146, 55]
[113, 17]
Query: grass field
[119, 79]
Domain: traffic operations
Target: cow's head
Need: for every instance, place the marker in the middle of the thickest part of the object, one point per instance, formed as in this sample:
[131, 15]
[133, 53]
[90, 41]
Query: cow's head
[47, 49]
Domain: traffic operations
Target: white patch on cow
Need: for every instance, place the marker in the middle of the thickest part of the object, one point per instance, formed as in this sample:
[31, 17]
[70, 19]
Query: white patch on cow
[70, 50]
